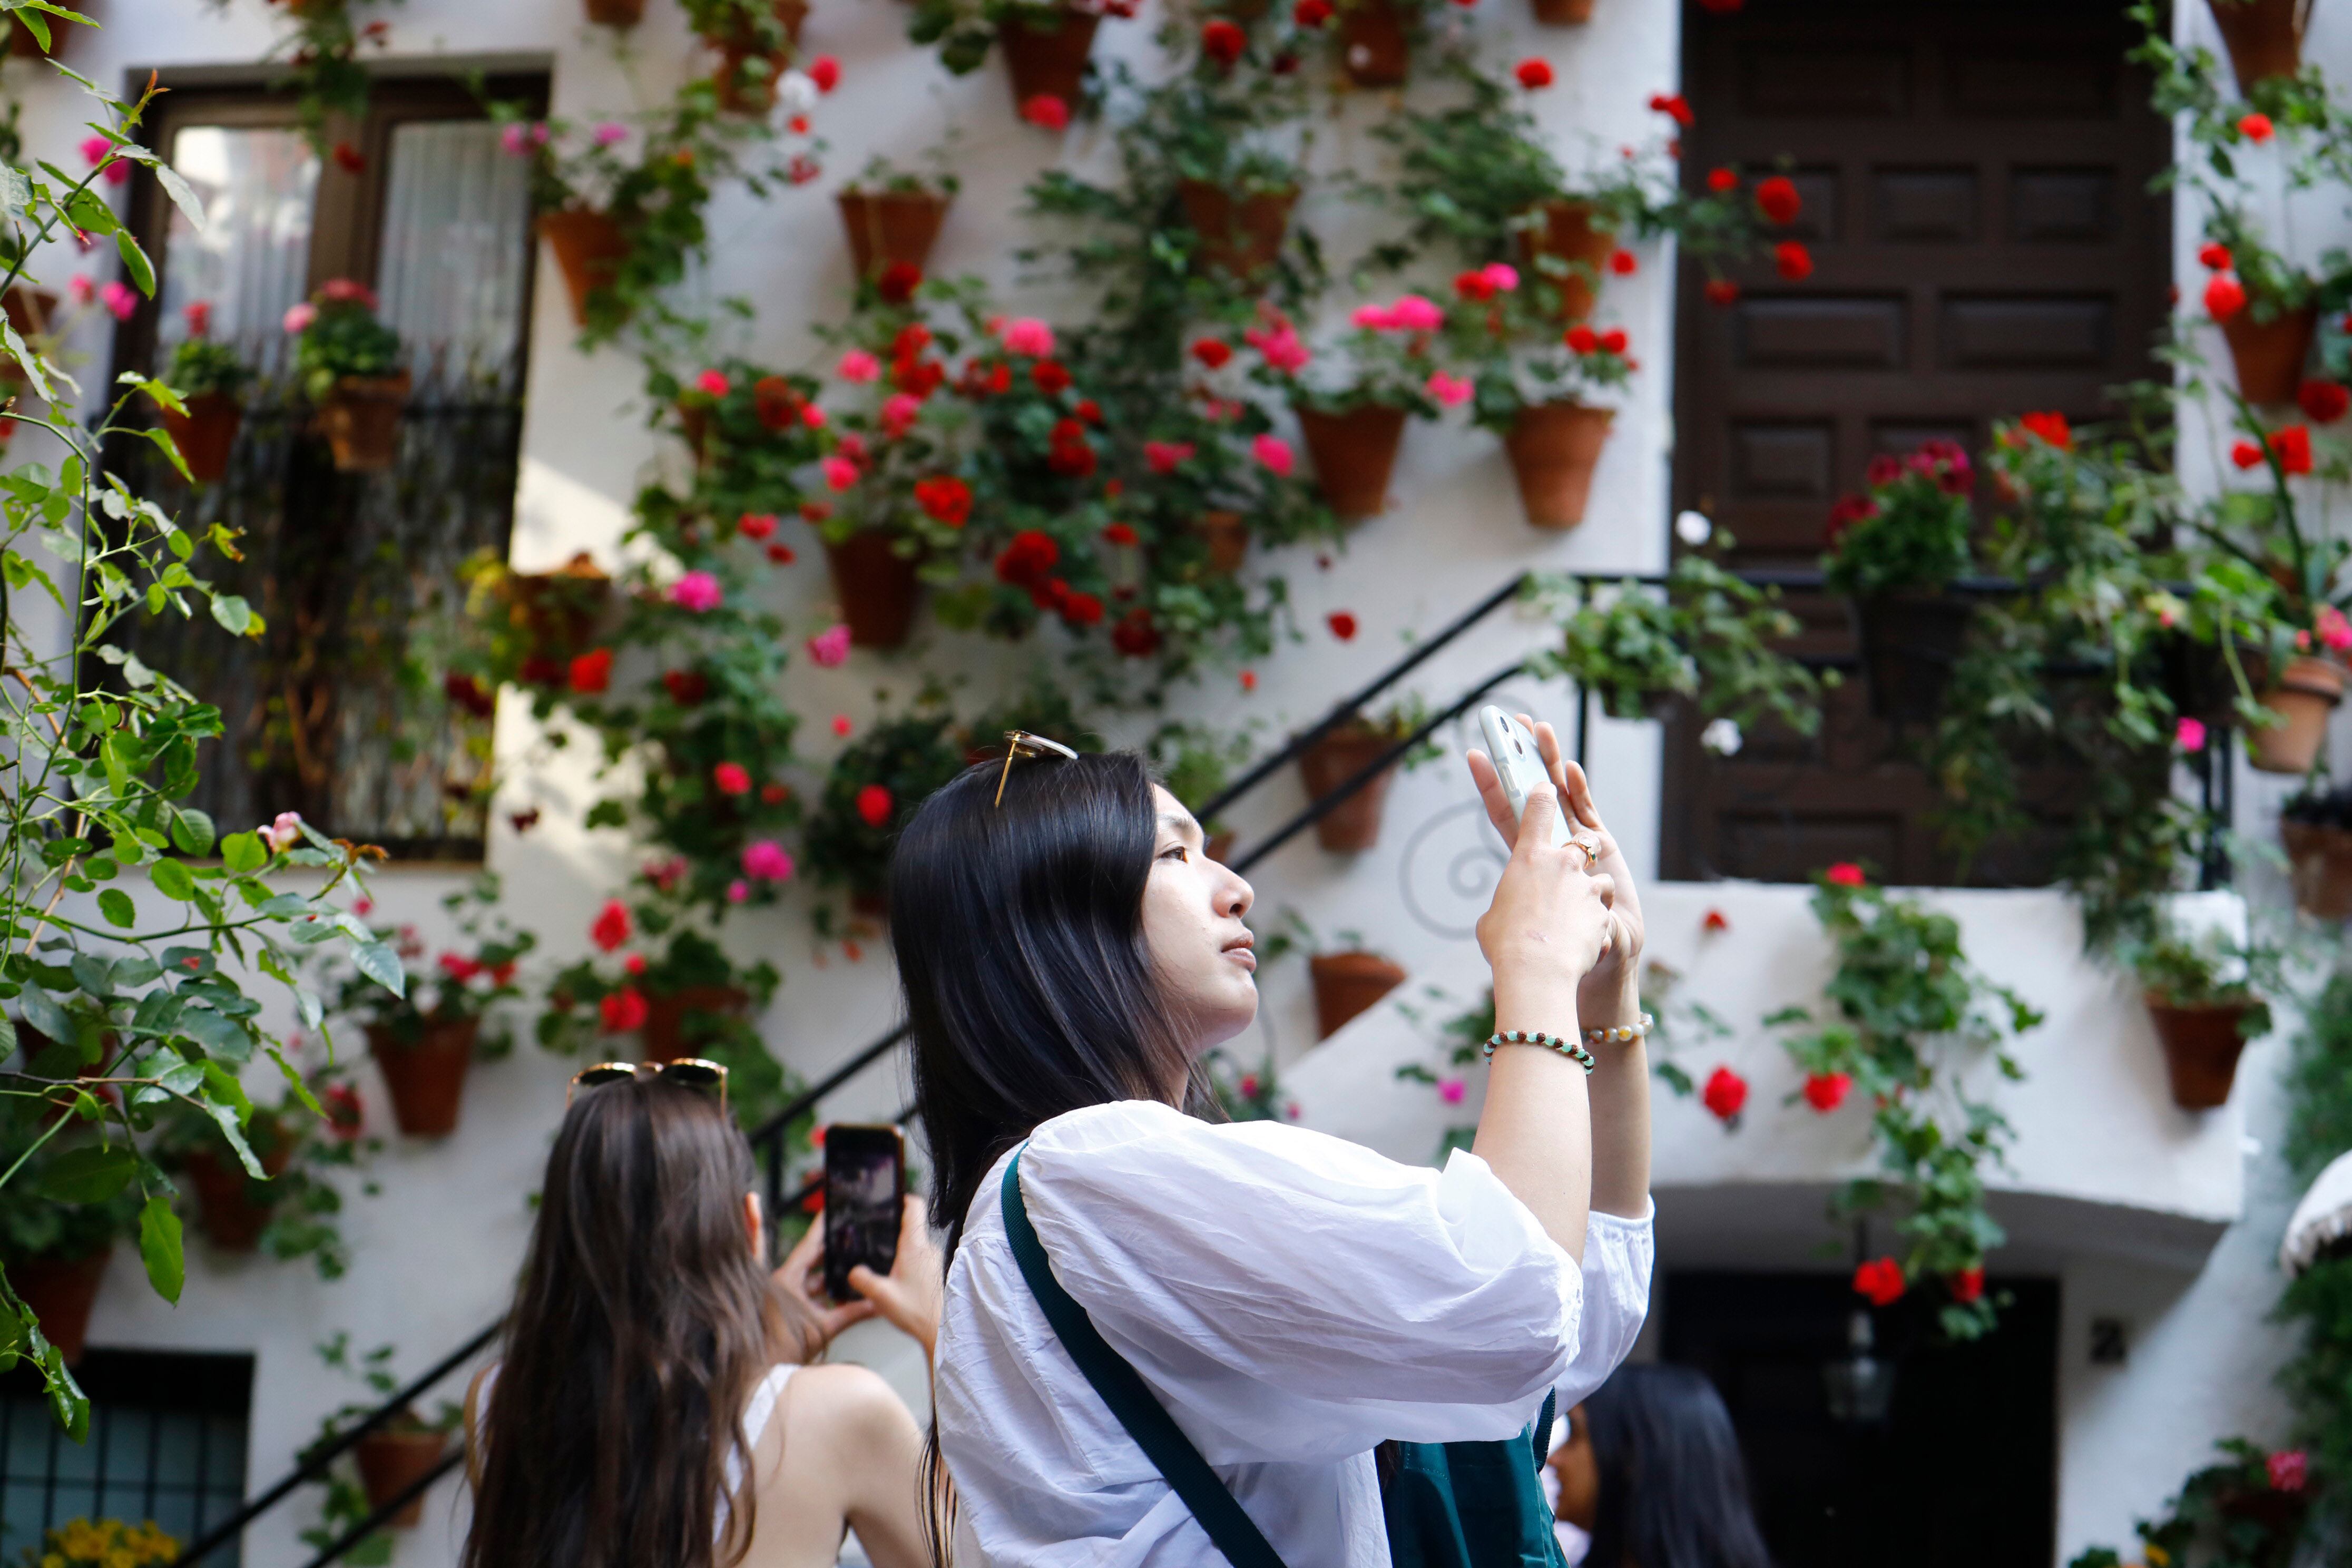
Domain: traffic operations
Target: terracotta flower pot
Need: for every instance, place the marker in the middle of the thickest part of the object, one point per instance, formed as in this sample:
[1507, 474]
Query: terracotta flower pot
[876, 587]
[890, 227]
[1348, 982]
[1240, 237]
[426, 1081]
[61, 1292]
[2321, 859]
[1354, 454]
[1051, 64]
[1373, 48]
[588, 248]
[1910, 644]
[1567, 234]
[755, 93]
[1554, 447]
[663, 1034]
[390, 1458]
[361, 421]
[1354, 824]
[616, 13]
[1563, 12]
[2200, 1049]
[2306, 695]
[2268, 355]
[2264, 37]
[206, 434]
[1226, 533]
[224, 1203]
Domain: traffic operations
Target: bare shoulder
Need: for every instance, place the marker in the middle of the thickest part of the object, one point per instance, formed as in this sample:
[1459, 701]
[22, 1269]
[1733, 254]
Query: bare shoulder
[834, 1403]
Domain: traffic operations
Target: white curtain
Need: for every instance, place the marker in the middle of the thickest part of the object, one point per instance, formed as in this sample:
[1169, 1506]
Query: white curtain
[250, 261]
[456, 244]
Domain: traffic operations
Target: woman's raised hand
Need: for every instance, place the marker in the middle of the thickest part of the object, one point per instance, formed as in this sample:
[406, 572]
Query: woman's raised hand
[802, 1279]
[1619, 970]
[1550, 927]
[908, 1296]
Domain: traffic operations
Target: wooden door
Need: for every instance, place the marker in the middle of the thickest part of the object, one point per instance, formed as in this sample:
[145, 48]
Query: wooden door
[1974, 177]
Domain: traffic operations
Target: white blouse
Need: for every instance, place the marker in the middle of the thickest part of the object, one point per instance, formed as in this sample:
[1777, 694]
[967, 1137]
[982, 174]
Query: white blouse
[1292, 1298]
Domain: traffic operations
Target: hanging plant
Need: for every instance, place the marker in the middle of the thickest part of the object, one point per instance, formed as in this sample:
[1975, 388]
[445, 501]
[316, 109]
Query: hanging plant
[1895, 553]
[892, 216]
[320, 42]
[1047, 45]
[2204, 996]
[350, 370]
[211, 379]
[1907, 1015]
[875, 785]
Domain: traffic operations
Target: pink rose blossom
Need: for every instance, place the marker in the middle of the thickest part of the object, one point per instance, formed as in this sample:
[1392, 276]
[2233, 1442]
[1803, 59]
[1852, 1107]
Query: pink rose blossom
[1373, 317]
[96, 150]
[609, 133]
[2335, 630]
[830, 646]
[1452, 1089]
[515, 139]
[299, 316]
[898, 413]
[2189, 734]
[858, 366]
[120, 299]
[1412, 313]
[767, 860]
[1451, 391]
[840, 473]
[1280, 345]
[1502, 275]
[813, 416]
[1026, 335]
[738, 890]
[713, 381]
[697, 591]
[1165, 456]
[84, 291]
[2289, 1469]
[284, 833]
[1274, 452]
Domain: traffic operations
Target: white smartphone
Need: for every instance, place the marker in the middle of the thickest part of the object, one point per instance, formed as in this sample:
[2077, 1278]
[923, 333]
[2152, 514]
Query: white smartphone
[1520, 761]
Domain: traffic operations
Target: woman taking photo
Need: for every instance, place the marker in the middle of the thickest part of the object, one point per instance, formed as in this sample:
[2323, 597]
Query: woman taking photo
[1292, 1300]
[654, 1408]
[1651, 1477]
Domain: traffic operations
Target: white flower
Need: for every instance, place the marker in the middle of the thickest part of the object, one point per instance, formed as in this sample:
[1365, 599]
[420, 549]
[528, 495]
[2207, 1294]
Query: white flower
[1694, 529]
[796, 92]
[1722, 737]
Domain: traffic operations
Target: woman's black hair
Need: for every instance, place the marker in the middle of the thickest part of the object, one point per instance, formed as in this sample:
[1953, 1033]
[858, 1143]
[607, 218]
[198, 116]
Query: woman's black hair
[1674, 1489]
[1019, 932]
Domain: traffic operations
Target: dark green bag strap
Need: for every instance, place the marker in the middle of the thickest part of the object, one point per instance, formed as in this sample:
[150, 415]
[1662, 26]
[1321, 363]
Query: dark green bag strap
[1145, 1419]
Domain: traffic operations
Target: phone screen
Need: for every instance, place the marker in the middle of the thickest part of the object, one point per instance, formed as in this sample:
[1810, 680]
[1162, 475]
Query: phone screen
[865, 1186]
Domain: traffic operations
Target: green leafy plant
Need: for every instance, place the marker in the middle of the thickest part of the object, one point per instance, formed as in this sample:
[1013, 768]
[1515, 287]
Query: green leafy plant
[346, 1504]
[474, 979]
[2246, 1511]
[338, 336]
[320, 43]
[130, 921]
[872, 789]
[2180, 969]
[1910, 533]
[965, 30]
[1906, 1014]
[200, 365]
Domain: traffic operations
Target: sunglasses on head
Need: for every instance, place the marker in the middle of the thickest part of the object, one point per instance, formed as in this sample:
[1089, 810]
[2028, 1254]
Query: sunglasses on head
[695, 1072]
[1022, 744]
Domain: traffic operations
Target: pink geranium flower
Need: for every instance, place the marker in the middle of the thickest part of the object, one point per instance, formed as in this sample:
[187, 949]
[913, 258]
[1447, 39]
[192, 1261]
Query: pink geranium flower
[299, 317]
[858, 366]
[898, 413]
[711, 382]
[120, 299]
[1502, 275]
[1280, 345]
[83, 290]
[1274, 452]
[830, 646]
[1452, 1089]
[1451, 391]
[767, 860]
[609, 133]
[1026, 335]
[2189, 734]
[1165, 456]
[697, 591]
[840, 473]
[1412, 313]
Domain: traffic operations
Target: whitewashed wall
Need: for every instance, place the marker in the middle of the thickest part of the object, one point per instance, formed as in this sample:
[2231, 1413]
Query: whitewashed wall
[436, 1251]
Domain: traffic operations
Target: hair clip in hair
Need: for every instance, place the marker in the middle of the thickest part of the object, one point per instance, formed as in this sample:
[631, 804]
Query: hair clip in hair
[1022, 744]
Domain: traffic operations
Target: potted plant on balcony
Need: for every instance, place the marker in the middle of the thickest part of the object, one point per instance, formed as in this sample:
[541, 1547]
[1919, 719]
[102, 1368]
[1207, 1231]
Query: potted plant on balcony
[2203, 997]
[56, 1250]
[1231, 131]
[1895, 553]
[755, 39]
[574, 178]
[1047, 45]
[2315, 826]
[293, 1214]
[892, 216]
[2264, 39]
[383, 1464]
[2266, 306]
[1348, 980]
[1352, 413]
[1348, 749]
[1530, 384]
[872, 788]
[424, 1037]
[1376, 39]
[350, 369]
[211, 380]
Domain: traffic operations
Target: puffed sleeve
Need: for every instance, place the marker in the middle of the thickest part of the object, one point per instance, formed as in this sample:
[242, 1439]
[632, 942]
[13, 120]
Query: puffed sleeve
[1618, 1253]
[1292, 1296]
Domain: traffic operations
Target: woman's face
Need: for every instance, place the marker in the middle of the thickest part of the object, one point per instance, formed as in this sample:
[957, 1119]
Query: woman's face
[1579, 1474]
[1192, 910]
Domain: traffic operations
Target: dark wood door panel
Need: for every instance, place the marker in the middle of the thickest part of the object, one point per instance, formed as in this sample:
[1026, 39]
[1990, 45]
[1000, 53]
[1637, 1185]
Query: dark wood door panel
[1974, 178]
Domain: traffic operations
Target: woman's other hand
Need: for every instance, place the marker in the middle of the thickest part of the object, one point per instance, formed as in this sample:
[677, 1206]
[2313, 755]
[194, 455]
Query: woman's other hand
[1619, 973]
[1550, 924]
[802, 1279]
[908, 1296]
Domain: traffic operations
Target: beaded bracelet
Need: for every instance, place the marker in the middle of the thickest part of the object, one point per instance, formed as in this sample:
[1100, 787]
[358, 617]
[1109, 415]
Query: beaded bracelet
[1622, 1035]
[1564, 1045]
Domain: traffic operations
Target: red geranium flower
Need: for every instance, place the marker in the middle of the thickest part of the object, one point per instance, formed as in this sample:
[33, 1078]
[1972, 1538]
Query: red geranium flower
[1847, 512]
[1880, 1281]
[1721, 291]
[2289, 1469]
[826, 71]
[1212, 351]
[1715, 921]
[1135, 635]
[1223, 42]
[2246, 454]
[781, 554]
[1045, 110]
[2255, 127]
[1088, 410]
[2325, 402]
[945, 499]
[1792, 261]
[874, 805]
[1050, 375]
[1846, 874]
[756, 524]
[1777, 199]
[2292, 446]
[1725, 1093]
[1311, 12]
[610, 928]
[2051, 428]
[1825, 1091]
[1119, 533]
[623, 1010]
[1081, 609]
[1721, 180]
[1674, 107]
[1613, 341]
[2214, 256]
[1533, 73]
[1026, 561]
[1966, 1285]
[2225, 296]
[687, 687]
[1623, 263]
[899, 282]
[1343, 624]
[592, 671]
[1581, 340]
[731, 778]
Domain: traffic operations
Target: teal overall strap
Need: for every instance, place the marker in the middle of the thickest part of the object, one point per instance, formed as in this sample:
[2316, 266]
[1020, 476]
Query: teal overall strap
[1145, 1419]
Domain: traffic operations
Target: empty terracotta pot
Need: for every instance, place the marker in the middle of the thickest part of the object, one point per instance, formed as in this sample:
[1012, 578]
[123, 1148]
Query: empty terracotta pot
[206, 434]
[1052, 64]
[589, 248]
[2268, 356]
[663, 1034]
[1554, 448]
[876, 587]
[1354, 452]
[390, 1458]
[2306, 695]
[1568, 232]
[1226, 533]
[1348, 982]
[61, 1292]
[889, 226]
[361, 420]
[616, 13]
[1354, 824]
[1563, 12]
[2264, 37]
[2320, 860]
[426, 1079]
[1373, 48]
[1241, 238]
[2200, 1049]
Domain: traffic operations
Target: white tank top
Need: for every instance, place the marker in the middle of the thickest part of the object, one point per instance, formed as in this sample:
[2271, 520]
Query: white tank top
[758, 1411]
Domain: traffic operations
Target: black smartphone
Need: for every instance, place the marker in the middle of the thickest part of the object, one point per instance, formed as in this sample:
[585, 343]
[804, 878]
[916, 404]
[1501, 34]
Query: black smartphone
[864, 1189]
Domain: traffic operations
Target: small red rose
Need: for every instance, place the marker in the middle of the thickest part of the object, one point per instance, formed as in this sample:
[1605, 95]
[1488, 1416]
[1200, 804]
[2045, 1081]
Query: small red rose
[2325, 402]
[1777, 199]
[1343, 624]
[874, 805]
[1725, 1093]
[1792, 261]
[1880, 1281]
[1846, 874]
[1825, 1091]
[1533, 73]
